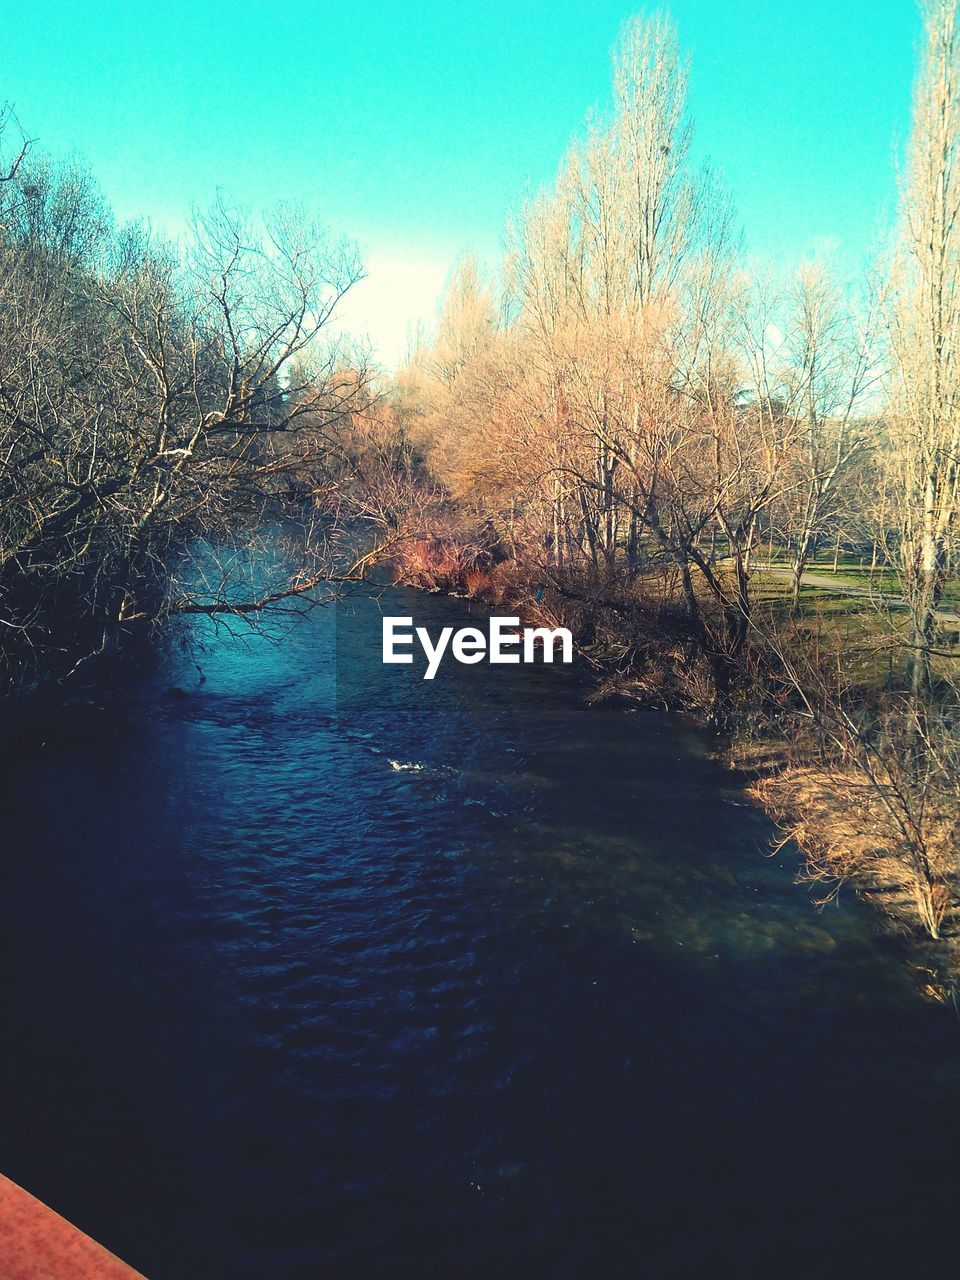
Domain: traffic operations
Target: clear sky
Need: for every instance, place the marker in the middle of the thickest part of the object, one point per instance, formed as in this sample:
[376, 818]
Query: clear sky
[415, 125]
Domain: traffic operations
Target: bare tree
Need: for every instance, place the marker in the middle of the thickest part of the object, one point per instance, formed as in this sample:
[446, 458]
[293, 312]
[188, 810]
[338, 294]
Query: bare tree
[925, 340]
[143, 402]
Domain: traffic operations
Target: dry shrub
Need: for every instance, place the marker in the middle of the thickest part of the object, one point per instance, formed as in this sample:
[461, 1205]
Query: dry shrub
[508, 582]
[847, 826]
[477, 584]
[459, 557]
[432, 564]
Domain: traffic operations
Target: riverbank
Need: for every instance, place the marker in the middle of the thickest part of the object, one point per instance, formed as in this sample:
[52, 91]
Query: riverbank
[844, 820]
[839, 828]
[638, 650]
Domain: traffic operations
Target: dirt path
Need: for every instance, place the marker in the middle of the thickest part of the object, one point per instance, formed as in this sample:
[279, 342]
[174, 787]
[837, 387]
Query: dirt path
[843, 586]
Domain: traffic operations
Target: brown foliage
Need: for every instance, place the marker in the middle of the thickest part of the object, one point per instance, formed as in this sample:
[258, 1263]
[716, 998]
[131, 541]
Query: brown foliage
[849, 829]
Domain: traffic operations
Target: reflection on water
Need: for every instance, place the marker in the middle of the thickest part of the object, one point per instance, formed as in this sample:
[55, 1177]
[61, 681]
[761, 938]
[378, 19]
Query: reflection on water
[311, 974]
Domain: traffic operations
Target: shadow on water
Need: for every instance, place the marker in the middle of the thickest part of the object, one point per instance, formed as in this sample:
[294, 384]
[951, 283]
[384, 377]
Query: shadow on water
[316, 970]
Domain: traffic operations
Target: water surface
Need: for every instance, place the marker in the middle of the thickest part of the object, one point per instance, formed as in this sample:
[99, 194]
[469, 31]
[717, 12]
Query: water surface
[312, 973]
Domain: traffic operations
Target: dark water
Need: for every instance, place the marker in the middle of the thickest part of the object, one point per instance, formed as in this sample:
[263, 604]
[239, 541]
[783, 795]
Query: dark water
[480, 981]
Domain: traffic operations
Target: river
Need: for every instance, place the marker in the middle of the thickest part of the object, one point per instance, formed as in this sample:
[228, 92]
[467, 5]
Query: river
[314, 971]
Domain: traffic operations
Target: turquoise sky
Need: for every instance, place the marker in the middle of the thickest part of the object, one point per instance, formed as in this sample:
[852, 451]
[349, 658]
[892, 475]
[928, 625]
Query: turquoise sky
[415, 126]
